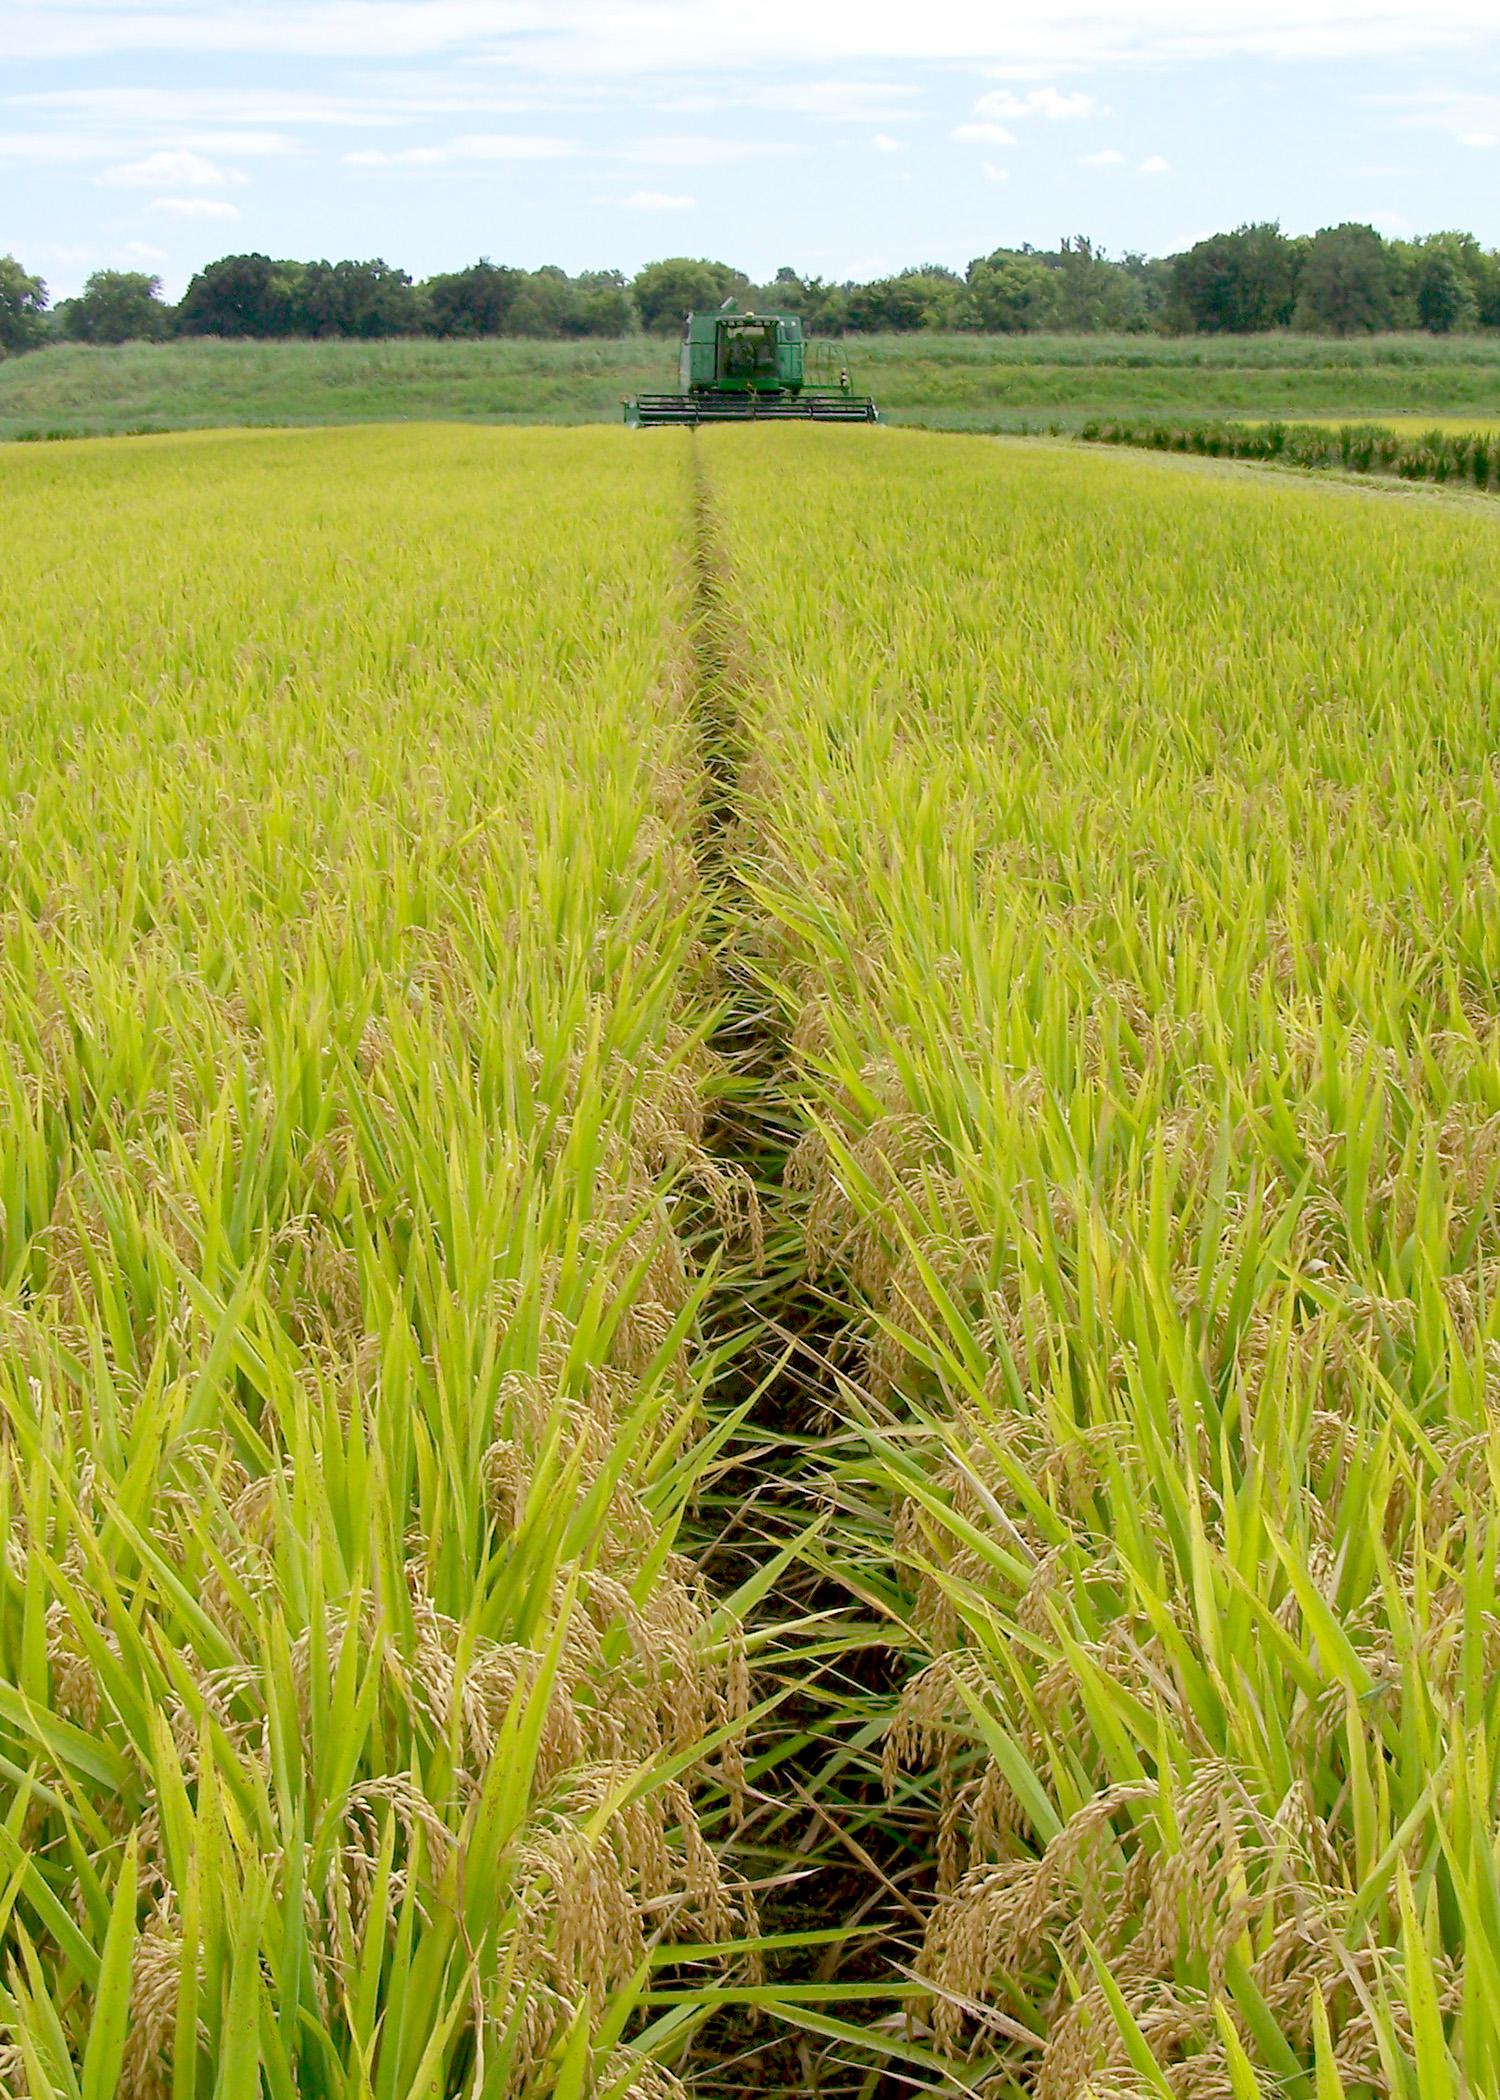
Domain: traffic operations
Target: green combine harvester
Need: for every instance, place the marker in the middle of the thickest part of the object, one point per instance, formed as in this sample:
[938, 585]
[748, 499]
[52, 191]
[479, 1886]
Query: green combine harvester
[739, 367]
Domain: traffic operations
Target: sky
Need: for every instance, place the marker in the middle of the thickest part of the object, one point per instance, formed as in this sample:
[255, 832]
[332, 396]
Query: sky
[845, 140]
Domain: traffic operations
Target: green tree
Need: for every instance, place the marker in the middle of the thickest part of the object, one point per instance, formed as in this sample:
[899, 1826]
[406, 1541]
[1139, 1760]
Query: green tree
[1151, 276]
[788, 293]
[821, 305]
[23, 308]
[1444, 297]
[885, 306]
[925, 296]
[1452, 281]
[242, 295]
[1235, 283]
[1483, 270]
[665, 291]
[1091, 292]
[1013, 291]
[367, 301]
[118, 306]
[546, 304]
[946, 302]
[472, 302]
[604, 305]
[1347, 283]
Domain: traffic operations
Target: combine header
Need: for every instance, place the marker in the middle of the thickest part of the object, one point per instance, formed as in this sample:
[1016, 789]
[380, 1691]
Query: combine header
[750, 368]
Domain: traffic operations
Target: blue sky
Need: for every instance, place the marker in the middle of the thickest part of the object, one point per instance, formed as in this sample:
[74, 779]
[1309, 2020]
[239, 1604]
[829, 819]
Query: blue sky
[155, 134]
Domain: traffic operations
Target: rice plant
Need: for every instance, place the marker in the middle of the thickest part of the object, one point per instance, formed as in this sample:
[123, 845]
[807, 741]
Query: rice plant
[1126, 869]
[748, 1206]
[364, 1730]
[1456, 452]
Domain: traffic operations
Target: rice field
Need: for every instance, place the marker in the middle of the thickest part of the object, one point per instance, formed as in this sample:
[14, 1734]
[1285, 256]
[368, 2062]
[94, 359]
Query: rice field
[1413, 425]
[1128, 869]
[748, 1224]
[1466, 459]
[360, 1721]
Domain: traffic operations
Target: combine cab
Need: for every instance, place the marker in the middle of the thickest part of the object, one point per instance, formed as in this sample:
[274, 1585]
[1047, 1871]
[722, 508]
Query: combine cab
[749, 368]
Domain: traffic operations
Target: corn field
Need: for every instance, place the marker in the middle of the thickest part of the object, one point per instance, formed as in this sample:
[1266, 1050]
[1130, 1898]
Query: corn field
[749, 1212]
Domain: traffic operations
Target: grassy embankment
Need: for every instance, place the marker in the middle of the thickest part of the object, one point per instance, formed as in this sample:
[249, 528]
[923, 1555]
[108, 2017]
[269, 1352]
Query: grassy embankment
[949, 382]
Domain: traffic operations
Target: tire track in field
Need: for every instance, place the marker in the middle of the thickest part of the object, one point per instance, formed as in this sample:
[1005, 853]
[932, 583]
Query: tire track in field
[811, 1843]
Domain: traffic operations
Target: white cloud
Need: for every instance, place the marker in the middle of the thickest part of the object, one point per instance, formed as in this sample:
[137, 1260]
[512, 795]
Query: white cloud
[66, 265]
[351, 29]
[841, 101]
[401, 77]
[983, 135]
[65, 147]
[1155, 164]
[884, 143]
[1107, 157]
[642, 37]
[195, 207]
[252, 111]
[484, 146]
[1038, 102]
[1469, 118]
[837, 101]
[654, 200]
[180, 167]
[675, 152]
[62, 255]
[1049, 102]
[994, 174]
[248, 145]
[51, 149]
[709, 151]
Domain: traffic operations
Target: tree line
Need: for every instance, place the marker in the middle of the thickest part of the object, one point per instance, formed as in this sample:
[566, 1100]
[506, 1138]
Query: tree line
[1343, 280]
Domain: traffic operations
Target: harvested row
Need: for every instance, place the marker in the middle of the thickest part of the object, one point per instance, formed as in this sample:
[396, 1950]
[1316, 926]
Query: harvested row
[1130, 849]
[362, 1725]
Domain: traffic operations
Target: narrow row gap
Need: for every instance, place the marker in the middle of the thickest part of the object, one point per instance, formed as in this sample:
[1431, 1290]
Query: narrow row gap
[782, 1341]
